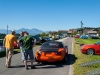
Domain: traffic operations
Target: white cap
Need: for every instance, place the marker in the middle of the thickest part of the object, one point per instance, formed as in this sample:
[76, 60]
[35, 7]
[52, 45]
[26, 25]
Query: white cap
[13, 31]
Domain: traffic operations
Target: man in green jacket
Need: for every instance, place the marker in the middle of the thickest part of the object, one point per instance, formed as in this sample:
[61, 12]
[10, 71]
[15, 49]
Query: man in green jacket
[28, 44]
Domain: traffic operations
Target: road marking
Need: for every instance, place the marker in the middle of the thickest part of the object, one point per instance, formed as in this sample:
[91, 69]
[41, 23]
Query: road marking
[71, 66]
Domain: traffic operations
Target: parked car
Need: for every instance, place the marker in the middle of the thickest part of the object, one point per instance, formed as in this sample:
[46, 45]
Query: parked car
[76, 36]
[1, 45]
[16, 45]
[38, 40]
[52, 51]
[94, 37]
[50, 38]
[45, 39]
[83, 37]
[91, 49]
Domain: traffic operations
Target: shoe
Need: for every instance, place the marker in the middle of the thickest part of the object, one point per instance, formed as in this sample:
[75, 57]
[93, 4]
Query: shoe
[9, 67]
[22, 60]
[32, 67]
[38, 63]
[6, 65]
[26, 68]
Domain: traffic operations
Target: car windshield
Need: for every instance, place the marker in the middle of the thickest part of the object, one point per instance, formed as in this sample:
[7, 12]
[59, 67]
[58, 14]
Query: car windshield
[52, 45]
[1, 42]
[97, 42]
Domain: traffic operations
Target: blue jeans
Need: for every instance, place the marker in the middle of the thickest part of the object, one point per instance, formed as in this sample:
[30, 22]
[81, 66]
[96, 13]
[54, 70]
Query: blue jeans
[22, 52]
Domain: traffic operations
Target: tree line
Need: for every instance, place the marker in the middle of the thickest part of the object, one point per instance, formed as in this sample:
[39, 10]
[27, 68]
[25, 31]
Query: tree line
[2, 35]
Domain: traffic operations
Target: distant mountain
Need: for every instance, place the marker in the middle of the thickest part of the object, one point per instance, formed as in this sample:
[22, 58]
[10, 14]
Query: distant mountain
[32, 31]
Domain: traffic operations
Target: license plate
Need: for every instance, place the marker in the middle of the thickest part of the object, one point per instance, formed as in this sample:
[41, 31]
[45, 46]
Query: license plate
[48, 53]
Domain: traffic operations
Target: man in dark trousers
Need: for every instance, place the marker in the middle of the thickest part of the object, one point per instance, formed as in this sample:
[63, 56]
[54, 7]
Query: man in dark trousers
[28, 45]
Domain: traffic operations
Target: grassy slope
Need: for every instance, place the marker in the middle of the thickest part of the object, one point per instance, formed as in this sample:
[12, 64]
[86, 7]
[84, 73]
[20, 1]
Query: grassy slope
[81, 58]
[87, 41]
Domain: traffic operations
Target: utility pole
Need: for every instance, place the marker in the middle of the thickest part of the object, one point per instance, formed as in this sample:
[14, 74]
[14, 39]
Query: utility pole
[82, 27]
[7, 29]
[81, 24]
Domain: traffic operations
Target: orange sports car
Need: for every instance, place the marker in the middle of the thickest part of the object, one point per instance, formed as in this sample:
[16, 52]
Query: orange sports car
[52, 51]
[91, 49]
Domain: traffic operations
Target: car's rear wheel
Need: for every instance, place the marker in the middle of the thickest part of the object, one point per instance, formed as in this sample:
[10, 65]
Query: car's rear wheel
[64, 60]
[36, 60]
[90, 52]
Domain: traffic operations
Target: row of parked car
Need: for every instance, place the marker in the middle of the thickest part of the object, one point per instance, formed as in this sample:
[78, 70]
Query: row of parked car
[87, 36]
[39, 40]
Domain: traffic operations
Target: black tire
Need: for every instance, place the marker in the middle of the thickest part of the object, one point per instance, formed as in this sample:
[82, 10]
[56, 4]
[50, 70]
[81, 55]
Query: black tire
[90, 52]
[64, 60]
[36, 60]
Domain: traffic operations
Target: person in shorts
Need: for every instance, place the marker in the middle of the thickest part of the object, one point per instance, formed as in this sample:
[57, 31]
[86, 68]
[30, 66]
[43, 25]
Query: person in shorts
[28, 44]
[21, 48]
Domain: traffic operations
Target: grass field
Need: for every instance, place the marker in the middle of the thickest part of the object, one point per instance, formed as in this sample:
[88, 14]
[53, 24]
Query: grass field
[87, 41]
[81, 58]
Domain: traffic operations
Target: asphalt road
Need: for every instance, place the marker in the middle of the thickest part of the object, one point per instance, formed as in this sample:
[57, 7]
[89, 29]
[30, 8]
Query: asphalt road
[43, 69]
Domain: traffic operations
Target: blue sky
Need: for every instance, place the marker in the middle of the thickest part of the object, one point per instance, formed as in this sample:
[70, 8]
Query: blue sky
[49, 14]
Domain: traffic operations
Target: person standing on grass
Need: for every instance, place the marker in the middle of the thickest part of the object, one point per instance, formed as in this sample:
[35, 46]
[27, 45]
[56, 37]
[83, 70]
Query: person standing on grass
[8, 43]
[21, 48]
[28, 44]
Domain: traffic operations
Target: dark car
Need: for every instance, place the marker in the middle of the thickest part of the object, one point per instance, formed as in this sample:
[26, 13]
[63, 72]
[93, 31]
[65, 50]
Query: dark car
[38, 41]
[45, 39]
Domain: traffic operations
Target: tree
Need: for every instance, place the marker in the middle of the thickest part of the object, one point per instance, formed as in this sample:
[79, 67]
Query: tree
[47, 35]
[74, 33]
[81, 32]
[17, 35]
[43, 34]
[51, 33]
[2, 36]
[38, 35]
[59, 33]
[99, 32]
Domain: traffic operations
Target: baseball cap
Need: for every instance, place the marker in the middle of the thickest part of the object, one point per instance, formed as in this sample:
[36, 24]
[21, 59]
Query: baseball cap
[13, 31]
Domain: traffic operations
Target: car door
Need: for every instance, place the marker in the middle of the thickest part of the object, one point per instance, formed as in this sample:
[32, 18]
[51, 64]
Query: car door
[98, 48]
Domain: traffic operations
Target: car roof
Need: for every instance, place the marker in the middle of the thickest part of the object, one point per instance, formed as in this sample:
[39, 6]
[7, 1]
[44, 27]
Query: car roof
[53, 42]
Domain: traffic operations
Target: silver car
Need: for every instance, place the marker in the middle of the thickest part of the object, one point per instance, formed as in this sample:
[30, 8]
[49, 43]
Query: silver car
[1, 45]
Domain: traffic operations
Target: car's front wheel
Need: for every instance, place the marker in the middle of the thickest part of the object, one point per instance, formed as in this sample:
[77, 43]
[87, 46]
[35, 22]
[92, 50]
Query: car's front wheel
[90, 52]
